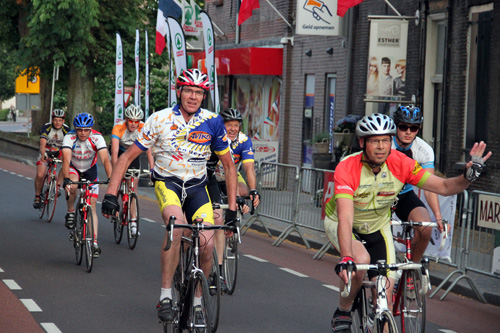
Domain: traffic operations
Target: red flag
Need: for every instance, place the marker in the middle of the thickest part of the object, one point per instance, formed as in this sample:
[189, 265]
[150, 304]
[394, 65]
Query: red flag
[344, 5]
[246, 8]
[165, 8]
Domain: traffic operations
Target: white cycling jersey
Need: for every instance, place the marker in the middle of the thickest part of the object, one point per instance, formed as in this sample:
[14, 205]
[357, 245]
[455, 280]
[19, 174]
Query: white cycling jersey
[420, 151]
[181, 149]
[84, 153]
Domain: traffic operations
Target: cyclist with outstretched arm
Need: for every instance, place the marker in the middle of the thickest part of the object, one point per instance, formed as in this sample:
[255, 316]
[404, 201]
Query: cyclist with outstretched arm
[180, 139]
[366, 184]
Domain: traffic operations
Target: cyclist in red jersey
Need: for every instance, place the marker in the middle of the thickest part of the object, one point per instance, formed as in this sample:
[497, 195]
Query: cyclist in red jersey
[366, 184]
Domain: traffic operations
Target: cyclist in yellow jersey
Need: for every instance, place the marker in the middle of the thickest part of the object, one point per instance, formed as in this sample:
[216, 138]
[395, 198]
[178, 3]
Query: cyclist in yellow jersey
[180, 139]
[366, 184]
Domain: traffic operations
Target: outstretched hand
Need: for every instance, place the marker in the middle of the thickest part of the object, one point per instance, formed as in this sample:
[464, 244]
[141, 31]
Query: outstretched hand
[478, 150]
[474, 167]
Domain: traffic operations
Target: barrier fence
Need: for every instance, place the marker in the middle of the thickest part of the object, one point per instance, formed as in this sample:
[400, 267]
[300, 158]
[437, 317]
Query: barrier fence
[294, 196]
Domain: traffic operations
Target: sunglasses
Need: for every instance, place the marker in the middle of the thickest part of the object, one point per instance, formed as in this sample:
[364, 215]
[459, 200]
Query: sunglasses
[133, 121]
[404, 128]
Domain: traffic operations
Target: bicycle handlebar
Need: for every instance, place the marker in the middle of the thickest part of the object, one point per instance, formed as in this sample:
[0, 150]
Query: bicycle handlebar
[199, 226]
[426, 224]
[240, 201]
[136, 173]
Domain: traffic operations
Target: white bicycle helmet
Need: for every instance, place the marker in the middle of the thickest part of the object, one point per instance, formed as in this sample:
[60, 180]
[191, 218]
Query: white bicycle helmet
[58, 113]
[134, 112]
[375, 124]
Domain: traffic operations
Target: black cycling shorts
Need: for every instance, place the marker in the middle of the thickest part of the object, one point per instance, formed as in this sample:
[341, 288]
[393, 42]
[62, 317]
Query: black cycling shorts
[406, 203]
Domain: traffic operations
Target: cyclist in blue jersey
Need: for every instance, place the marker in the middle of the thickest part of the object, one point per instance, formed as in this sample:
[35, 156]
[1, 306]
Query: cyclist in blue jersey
[180, 139]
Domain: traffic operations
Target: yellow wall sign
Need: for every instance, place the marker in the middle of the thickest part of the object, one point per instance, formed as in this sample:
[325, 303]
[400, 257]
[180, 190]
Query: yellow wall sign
[25, 86]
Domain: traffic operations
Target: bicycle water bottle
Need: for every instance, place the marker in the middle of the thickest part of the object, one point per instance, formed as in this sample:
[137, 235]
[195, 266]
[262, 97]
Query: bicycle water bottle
[396, 280]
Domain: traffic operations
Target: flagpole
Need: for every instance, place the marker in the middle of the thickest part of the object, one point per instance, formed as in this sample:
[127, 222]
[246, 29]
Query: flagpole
[270, 4]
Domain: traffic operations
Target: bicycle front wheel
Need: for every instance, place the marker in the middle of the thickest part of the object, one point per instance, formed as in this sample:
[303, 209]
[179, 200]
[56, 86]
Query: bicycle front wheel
[78, 240]
[51, 200]
[386, 323]
[230, 263]
[359, 313]
[413, 302]
[132, 235]
[89, 240]
[118, 221]
[215, 292]
[43, 195]
[199, 314]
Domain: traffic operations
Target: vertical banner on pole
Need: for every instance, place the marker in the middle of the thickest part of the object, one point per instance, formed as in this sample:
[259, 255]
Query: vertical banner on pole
[173, 96]
[146, 79]
[208, 35]
[137, 96]
[119, 81]
[179, 56]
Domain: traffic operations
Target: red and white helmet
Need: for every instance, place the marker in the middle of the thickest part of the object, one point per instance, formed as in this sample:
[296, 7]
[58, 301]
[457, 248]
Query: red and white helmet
[193, 77]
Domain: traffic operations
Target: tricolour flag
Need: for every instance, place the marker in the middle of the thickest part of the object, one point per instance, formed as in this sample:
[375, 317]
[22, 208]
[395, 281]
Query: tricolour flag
[246, 8]
[344, 5]
[165, 8]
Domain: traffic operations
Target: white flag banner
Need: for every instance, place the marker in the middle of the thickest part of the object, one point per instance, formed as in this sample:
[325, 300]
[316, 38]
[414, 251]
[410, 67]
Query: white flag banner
[119, 80]
[146, 79]
[173, 95]
[178, 45]
[137, 96]
[189, 18]
[197, 17]
[208, 34]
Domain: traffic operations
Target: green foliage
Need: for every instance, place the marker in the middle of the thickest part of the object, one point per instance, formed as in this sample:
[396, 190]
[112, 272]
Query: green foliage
[321, 136]
[7, 75]
[3, 114]
[105, 121]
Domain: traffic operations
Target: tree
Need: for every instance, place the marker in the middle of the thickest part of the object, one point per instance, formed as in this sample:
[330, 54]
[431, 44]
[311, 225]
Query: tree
[7, 76]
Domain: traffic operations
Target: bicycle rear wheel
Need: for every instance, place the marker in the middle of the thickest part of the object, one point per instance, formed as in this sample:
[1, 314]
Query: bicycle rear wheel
[199, 315]
[215, 292]
[51, 200]
[413, 302]
[78, 237]
[386, 323]
[132, 238]
[230, 263]
[43, 195]
[89, 240]
[359, 313]
[118, 221]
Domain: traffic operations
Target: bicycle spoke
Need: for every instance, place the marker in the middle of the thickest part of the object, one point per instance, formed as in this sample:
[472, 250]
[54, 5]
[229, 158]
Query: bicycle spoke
[51, 200]
[413, 302]
[230, 263]
[117, 221]
[215, 292]
[89, 240]
[134, 205]
[78, 237]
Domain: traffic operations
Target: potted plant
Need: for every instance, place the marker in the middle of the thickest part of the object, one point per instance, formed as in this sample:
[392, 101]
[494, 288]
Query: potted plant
[344, 132]
[322, 142]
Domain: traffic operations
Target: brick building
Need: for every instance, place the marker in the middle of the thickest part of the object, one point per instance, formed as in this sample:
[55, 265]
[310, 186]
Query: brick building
[450, 71]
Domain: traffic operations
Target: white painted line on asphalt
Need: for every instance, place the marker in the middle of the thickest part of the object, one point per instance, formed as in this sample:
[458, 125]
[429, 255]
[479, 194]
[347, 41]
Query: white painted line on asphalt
[12, 284]
[446, 331]
[30, 305]
[329, 286]
[255, 258]
[12, 173]
[291, 271]
[1, 270]
[50, 328]
[148, 220]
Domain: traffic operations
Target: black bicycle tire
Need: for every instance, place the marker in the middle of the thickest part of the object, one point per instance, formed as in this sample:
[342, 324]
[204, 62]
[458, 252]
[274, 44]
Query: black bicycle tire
[214, 292]
[386, 317]
[118, 221]
[359, 313]
[78, 237]
[230, 263]
[416, 303]
[89, 240]
[200, 279]
[132, 240]
[43, 195]
[51, 200]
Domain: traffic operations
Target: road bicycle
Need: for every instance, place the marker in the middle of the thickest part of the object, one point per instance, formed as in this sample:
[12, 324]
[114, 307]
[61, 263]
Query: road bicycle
[50, 192]
[408, 297]
[129, 206]
[230, 257]
[82, 234]
[408, 304]
[189, 281]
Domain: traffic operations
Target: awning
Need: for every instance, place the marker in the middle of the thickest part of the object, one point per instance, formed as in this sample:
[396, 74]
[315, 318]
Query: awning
[244, 61]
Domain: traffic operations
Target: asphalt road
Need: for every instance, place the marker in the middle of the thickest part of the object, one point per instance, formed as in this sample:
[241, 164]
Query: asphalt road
[279, 289]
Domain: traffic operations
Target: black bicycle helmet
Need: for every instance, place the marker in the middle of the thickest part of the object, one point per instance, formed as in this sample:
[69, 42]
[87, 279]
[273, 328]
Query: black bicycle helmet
[231, 114]
[408, 114]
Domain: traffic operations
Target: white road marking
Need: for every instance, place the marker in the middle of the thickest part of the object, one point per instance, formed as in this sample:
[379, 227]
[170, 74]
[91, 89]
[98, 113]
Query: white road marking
[446, 331]
[291, 271]
[148, 220]
[1, 270]
[30, 305]
[12, 284]
[329, 286]
[50, 328]
[255, 258]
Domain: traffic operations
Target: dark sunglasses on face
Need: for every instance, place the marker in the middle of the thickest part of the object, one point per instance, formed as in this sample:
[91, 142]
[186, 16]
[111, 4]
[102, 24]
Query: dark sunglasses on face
[404, 128]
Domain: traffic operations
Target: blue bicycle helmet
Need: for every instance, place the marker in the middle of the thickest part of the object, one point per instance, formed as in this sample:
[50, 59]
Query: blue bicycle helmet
[83, 120]
[408, 114]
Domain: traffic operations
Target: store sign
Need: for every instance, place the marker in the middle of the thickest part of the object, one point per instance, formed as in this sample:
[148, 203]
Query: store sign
[317, 17]
[488, 213]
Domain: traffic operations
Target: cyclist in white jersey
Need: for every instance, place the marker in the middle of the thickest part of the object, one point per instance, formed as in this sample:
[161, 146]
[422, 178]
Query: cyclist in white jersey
[51, 138]
[180, 139]
[80, 149]
[409, 207]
